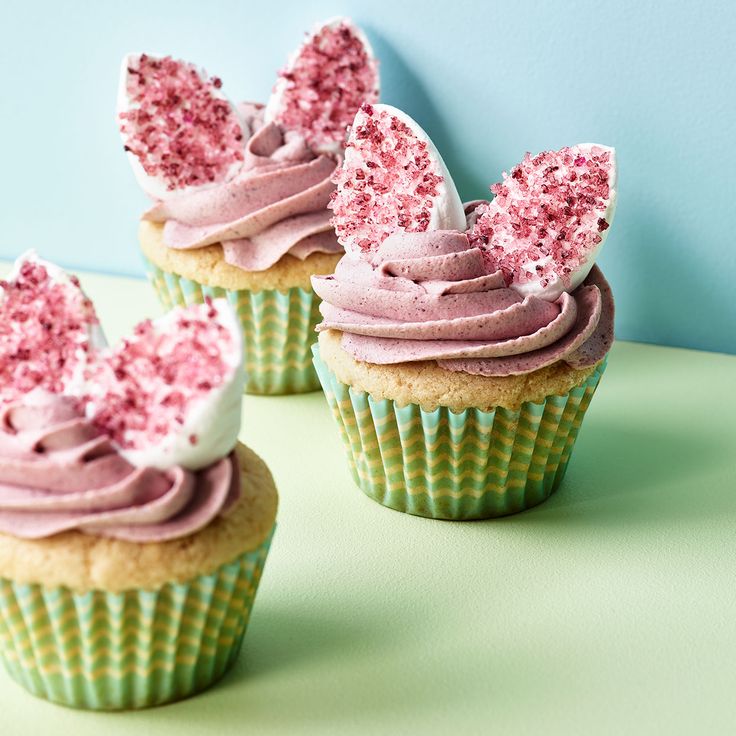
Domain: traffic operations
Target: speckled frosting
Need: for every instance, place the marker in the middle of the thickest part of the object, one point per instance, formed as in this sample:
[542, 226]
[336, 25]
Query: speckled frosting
[434, 296]
[274, 206]
[59, 472]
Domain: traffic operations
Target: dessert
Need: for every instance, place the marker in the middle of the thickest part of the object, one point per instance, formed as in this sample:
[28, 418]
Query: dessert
[133, 525]
[240, 192]
[460, 346]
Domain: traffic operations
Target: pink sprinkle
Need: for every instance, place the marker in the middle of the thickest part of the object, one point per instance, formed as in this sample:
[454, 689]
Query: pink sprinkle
[328, 81]
[551, 207]
[44, 332]
[390, 184]
[179, 129]
[153, 378]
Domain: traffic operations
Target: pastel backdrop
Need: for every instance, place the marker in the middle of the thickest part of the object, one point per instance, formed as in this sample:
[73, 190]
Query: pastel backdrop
[488, 80]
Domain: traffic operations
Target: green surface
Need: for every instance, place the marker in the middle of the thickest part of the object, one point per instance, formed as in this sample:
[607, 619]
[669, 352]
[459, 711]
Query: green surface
[609, 609]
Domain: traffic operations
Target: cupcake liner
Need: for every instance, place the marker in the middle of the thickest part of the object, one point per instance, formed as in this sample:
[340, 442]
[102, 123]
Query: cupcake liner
[113, 651]
[278, 329]
[442, 464]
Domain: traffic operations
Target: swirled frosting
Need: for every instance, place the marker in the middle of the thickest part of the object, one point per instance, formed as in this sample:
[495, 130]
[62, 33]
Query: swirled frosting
[433, 296]
[276, 205]
[58, 472]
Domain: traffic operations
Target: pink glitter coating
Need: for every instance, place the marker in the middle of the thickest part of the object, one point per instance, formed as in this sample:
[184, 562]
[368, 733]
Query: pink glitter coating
[389, 185]
[330, 78]
[152, 379]
[44, 332]
[551, 206]
[178, 128]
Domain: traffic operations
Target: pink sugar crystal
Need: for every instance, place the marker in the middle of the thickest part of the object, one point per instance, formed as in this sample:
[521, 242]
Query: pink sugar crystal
[550, 208]
[177, 126]
[151, 380]
[44, 332]
[387, 182]
[326, 84]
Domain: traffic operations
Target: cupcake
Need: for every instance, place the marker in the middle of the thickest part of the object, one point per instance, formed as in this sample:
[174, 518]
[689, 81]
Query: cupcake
[461, 345]
[240, 193]
[133, 526]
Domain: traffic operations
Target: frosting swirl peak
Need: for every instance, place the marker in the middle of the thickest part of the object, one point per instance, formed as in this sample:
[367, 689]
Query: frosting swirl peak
[434, 296]
[276, 204]
[59, 472]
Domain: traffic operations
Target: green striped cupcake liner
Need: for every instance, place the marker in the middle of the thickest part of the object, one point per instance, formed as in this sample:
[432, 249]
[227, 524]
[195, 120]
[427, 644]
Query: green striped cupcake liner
[278, 329]
[136, 649]
[443, 464]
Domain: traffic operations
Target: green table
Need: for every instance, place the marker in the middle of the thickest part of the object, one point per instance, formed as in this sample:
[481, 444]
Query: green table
[610, 609]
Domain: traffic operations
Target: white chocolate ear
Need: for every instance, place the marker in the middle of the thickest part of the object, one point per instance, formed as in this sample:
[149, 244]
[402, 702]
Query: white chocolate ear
[171, 393]
[325, 82]
[392, 178]
[49, 331]
[549, 218]
[180, 131]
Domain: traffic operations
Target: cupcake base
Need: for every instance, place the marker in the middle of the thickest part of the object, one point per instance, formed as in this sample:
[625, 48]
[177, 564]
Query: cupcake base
[108, 624]
[135, 649]
[469, 464]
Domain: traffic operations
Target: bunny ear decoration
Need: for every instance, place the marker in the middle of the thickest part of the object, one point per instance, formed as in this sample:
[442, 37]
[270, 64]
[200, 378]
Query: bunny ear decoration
[180, 132]
[171, 394]
[392, 178]
[49, 330]
[324, 83]
[549, 218]
[168, 395]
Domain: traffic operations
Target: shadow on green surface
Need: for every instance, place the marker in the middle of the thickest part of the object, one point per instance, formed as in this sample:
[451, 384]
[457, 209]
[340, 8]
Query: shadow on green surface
[289, 647]
[292, 637]
[637, 474]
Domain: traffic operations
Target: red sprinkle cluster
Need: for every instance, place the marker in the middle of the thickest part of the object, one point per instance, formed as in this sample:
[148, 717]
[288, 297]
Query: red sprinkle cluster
[152, 378]
[550, 206]
[387, 182]
[44, 332]
[177, 126]
[325, 86]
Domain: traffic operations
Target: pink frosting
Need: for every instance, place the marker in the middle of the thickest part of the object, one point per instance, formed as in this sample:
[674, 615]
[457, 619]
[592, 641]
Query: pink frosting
[432, 296]
[276, 205]
[58, 472]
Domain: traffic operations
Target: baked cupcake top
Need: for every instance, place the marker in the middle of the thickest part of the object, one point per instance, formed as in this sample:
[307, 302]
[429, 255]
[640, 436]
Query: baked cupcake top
[496, 288]
[134, 441]
[256, 179]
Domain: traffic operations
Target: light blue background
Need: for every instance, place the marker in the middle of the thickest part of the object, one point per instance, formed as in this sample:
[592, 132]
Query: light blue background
[488, 80]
